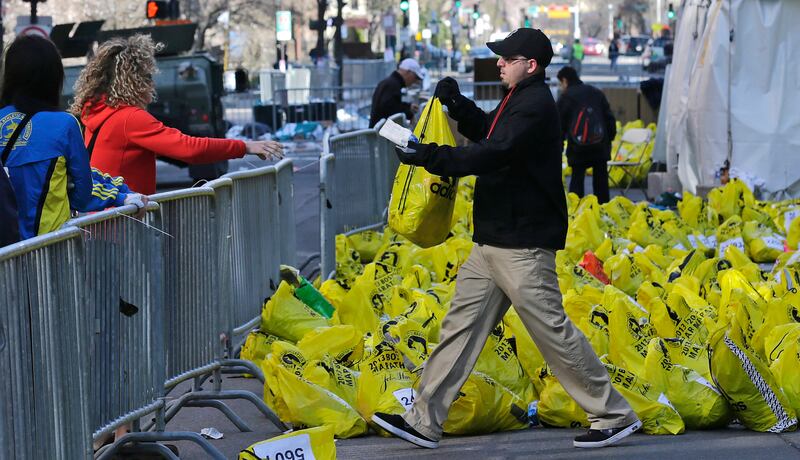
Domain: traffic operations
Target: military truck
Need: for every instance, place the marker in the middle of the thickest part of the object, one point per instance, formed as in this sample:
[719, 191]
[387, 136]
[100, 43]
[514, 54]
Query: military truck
[188, 87]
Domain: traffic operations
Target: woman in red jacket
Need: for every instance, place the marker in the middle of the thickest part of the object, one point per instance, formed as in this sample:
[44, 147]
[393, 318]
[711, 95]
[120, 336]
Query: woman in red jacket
[112, 93]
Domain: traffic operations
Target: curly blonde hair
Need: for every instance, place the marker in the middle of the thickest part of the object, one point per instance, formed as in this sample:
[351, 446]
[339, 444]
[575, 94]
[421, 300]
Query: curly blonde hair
[122, 71]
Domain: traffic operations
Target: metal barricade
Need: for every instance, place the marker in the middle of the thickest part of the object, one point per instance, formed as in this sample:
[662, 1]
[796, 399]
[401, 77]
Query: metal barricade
[191, 301]
[348, 106]
[254, 248]
[366, 72]
[387, 161]
[242, 217]
[123, 273]
[125, 310]
[285, 203]
[43, 410]
[327, 218]
[356, 200]
[195, 317]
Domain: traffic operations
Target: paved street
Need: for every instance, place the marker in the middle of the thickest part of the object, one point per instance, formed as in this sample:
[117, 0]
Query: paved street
[549, 443]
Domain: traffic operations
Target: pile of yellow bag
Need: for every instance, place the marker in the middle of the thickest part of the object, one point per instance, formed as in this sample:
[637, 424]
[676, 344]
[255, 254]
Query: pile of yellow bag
[695, 329]
[700, 315]
[624, 152]
[390, 297]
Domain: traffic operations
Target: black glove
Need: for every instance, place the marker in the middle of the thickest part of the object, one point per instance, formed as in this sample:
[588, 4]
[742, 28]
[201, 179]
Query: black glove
[447, 91]
[415, 154]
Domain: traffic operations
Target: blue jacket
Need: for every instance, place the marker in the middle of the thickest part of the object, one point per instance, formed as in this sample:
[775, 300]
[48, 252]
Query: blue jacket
[50, 174]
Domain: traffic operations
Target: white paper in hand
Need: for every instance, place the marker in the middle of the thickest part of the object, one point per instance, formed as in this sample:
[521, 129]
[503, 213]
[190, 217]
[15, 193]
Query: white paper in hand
[397, 134]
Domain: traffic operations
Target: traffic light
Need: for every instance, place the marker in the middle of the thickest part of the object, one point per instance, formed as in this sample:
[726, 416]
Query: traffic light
[671, 12]
[404, 5]
[458, 4]
[475, 13]
[157, 9]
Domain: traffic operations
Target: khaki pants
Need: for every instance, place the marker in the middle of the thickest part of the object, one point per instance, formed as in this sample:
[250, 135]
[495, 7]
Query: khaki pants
[488, 283]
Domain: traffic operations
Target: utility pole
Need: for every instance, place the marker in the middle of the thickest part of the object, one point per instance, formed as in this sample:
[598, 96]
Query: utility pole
[338, 52]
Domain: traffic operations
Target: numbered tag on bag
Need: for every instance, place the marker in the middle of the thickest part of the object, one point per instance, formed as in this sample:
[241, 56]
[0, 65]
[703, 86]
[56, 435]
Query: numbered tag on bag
[405, 397]
[294, 448]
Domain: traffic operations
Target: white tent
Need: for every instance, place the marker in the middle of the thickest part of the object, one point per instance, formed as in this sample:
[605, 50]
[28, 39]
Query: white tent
[734, 94]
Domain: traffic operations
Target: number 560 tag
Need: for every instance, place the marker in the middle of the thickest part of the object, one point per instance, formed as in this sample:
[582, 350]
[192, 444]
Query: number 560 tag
[294, 448]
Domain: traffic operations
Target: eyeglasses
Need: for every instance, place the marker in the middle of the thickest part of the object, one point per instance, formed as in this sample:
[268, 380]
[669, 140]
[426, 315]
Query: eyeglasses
[511, 60]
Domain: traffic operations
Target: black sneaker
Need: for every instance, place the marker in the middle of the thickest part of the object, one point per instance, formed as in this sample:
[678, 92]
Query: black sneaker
[397, 425]
[603, 438]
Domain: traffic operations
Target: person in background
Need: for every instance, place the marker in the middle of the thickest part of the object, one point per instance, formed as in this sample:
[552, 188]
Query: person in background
[589, 127]
[613, 53]
[520, 219]
[387, 99]
[576, 56]
[111, 95]
[42, 146]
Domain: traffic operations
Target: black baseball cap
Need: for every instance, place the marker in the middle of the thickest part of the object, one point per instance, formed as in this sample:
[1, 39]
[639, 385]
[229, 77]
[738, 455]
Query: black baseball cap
[531, 43]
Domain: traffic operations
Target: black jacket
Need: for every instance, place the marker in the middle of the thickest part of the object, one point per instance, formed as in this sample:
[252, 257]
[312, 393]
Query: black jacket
[519, 195]
[571, 101]
[387, 99]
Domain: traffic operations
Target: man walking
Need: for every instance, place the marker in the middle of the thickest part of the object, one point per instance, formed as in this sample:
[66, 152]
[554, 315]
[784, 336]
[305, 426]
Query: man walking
[576, 57]
[589, 126]
[387, 99]
[520, 220]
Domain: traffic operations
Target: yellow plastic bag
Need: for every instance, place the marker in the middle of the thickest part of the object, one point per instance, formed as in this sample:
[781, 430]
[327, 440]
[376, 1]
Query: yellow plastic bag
[499, 360]
[415, 277]
[333, 377]
[287, 317]
[784, 352]
[646, 229]
[731, 199]
[348, 262]
[573, 276]
[619, 209]
[584, 232]
[683, 315]
[624, 273]
[421, 206]
[779, 311]
[367, 243]
[398, 254]
[654, 408]
[740, 302]
[334, 292]
[301, 402]
[530, 358]
[556, 407]
[793, 234]
[629, 330]
[257, 346]
[363, 304]
[312, 443]
[699, 403]
[485, 406]
[687, 354]
[763, 245]
[384, 384]
[730, 234]
[441, 261]
[747, 383]
[343, 343]
[410, 339]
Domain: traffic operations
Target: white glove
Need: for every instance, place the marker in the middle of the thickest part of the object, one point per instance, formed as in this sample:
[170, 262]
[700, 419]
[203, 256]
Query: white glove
[135, 198]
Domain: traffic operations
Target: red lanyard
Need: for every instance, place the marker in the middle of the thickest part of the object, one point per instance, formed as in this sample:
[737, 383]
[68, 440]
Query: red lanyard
[502, 106]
